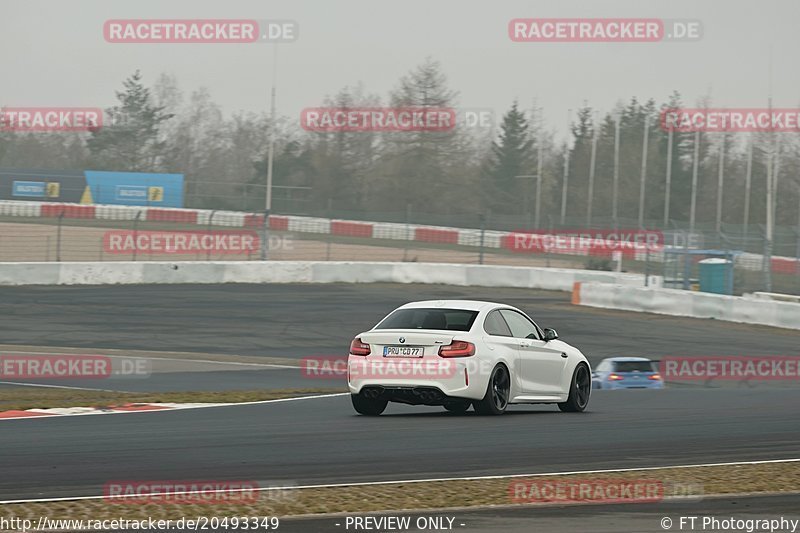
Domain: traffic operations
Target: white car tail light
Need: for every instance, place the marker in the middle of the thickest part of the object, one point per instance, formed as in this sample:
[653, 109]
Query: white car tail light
[359, 348]
[457, 349]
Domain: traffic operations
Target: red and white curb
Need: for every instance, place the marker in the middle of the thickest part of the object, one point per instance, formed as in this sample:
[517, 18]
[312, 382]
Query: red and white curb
[124, 408]
[140, 408]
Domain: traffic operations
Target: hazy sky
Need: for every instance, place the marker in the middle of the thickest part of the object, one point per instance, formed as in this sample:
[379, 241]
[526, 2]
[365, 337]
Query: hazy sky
[53, 52]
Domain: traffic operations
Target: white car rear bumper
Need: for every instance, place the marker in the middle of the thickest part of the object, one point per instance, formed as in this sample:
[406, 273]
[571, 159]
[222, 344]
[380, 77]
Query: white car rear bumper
[453, 377]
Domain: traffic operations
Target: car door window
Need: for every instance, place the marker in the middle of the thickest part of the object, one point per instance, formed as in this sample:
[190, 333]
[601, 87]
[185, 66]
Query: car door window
[520, 326]
[495, 325]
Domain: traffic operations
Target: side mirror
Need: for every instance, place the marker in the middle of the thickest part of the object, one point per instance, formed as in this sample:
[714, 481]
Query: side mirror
[550, 334]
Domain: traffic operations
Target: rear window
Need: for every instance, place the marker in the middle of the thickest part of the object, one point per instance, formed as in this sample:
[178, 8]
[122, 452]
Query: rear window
[445, 319]
[633, 366]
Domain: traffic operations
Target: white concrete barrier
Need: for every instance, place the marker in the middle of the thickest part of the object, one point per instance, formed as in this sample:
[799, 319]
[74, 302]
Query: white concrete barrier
[30, 273]
[98, 273]
[162, 272]
[773, 296]
[678, 302]
[269, 272]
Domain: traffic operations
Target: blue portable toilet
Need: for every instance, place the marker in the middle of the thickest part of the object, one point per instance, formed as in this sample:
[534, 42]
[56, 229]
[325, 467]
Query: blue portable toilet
[716, 275]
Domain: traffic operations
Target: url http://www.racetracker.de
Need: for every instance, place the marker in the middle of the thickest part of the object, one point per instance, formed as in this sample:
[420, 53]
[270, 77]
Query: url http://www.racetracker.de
[200, 523]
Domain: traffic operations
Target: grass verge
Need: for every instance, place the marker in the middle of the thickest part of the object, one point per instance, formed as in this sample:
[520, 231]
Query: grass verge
[707, 480]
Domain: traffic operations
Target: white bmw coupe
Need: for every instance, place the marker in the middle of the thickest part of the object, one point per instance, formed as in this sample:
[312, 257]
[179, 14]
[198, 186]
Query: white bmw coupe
[461, 353]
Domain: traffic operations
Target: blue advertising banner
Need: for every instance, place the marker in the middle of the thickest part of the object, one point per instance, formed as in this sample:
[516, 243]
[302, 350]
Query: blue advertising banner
[134, 188]
[29, 189]
[42, 185]
[92, 187]
[136, 193]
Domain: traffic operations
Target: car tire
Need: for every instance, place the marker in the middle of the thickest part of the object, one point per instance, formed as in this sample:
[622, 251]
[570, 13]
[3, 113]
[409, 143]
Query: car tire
[368, 406]
[580, 389]
[495, 400]
[460, 406]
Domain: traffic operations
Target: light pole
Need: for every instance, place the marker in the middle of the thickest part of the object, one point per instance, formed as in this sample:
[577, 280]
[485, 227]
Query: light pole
[695, 162]
[747, 184]
[539, 164]
[720, 183]
[643, 177]
[767, 264]
[615, 190]
[565, 185]
[773, 167]
[592, 161]
[776, 172]
[270, 156]
[668, 184]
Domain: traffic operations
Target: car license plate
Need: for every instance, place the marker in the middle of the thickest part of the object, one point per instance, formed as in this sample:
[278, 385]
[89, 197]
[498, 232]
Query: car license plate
[402, 351]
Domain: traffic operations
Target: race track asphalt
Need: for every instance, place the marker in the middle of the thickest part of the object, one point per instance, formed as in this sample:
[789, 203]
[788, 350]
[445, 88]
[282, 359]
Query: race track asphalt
[293, 320]
[323, 441]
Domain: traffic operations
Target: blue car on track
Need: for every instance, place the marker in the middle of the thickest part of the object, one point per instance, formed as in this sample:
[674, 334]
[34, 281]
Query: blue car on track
[627, 373]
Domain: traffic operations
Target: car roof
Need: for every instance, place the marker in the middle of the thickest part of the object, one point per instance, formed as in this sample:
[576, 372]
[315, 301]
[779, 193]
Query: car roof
[626, 359]
[470, 305]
